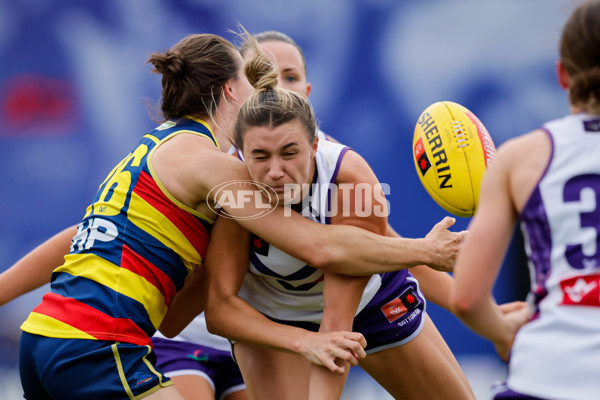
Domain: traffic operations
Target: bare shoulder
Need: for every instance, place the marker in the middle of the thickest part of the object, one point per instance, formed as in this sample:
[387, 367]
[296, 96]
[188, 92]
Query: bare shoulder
[533, 144]
[371, 212]
[524, 159]
[187, 144]
[189, 166]
[355, 169]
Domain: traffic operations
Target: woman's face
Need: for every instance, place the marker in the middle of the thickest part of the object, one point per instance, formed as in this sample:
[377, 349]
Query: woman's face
[292, 72]
[280, 156]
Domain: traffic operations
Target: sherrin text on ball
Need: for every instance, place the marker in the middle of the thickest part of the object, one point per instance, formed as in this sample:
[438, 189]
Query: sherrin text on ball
[451, 150]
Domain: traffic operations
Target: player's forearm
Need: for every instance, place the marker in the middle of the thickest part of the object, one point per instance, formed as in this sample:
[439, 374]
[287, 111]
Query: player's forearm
[237, 320]
[35, 268]
[187, 304]
[341, 296]
[349, 249]
[355, 251]
[364, 253]
[327, 385]
[484, 318]
[324, 383]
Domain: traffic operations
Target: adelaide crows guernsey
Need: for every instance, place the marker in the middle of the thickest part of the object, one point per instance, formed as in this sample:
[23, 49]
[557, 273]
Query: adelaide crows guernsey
[131, 254]
[555, 356]
[283, 287]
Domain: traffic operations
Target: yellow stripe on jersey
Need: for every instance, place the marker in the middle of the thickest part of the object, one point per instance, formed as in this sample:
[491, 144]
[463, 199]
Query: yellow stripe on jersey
[117, 185]
[121, 280]
[159, 182]
[155, 223]
[152, 137]
[51, 326]
[207, 127]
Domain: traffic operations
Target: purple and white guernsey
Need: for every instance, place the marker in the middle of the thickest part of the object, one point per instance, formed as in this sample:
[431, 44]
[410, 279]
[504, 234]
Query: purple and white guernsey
[283, 287]
[392, 308]
[557, 354]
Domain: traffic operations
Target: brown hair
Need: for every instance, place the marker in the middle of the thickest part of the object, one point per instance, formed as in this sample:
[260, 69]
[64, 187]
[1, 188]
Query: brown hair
[269, 105]
[580, 55]
[194, 72]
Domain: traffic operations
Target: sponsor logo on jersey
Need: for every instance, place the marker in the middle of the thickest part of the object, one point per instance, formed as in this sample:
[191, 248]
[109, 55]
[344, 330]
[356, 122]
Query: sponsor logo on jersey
[400, 305]
[592, 125]
[581, 291]
[259, 246]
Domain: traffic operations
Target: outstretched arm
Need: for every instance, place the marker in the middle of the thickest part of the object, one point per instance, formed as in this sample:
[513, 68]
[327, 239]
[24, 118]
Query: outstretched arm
[230, 316]
[338, 248]
[35, 268]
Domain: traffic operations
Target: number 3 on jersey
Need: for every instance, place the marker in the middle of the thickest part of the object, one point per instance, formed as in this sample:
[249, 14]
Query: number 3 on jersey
[572, 192]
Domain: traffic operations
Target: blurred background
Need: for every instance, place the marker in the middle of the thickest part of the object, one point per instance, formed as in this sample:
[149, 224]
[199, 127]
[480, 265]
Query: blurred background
[74, 89]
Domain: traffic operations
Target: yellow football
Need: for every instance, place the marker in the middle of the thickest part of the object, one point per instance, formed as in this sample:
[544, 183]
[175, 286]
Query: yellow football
[451, 150]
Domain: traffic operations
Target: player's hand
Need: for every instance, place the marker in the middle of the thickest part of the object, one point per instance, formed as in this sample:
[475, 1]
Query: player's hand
[446, 244]
[324, 348]
[512, 306]
[516, 314]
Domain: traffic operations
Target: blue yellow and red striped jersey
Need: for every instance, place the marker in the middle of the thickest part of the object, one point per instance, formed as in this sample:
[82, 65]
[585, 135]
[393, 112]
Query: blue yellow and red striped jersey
[131, 254]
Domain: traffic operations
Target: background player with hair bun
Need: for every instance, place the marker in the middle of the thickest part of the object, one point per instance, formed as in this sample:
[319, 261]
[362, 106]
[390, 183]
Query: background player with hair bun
[548, 181]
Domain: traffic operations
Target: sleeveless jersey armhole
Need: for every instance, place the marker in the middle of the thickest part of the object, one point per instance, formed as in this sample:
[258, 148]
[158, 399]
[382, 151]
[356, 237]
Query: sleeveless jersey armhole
[532, 195]
[163, 188]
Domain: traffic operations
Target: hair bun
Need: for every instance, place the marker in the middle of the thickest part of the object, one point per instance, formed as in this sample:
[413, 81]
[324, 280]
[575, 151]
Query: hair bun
[174, 63]
[261, 73]
[169, 63]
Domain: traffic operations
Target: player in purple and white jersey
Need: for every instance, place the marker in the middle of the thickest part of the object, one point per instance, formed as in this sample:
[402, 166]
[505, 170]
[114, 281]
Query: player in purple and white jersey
[276, 134]
[548, 181]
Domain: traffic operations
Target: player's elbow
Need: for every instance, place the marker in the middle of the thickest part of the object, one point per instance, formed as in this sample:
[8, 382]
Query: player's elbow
[212, 321]
[168, 329]
[462, 305]
[212, 327]
[170, 334]
[324, 258]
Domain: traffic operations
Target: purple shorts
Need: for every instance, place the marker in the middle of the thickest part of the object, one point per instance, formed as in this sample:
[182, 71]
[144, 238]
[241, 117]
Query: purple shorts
[502, 392]
[394, 316]
[176, 358]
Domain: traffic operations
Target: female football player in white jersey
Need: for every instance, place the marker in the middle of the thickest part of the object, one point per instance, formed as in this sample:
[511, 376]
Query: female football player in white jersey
[276, 135]
[215, 370]
[548, 181]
